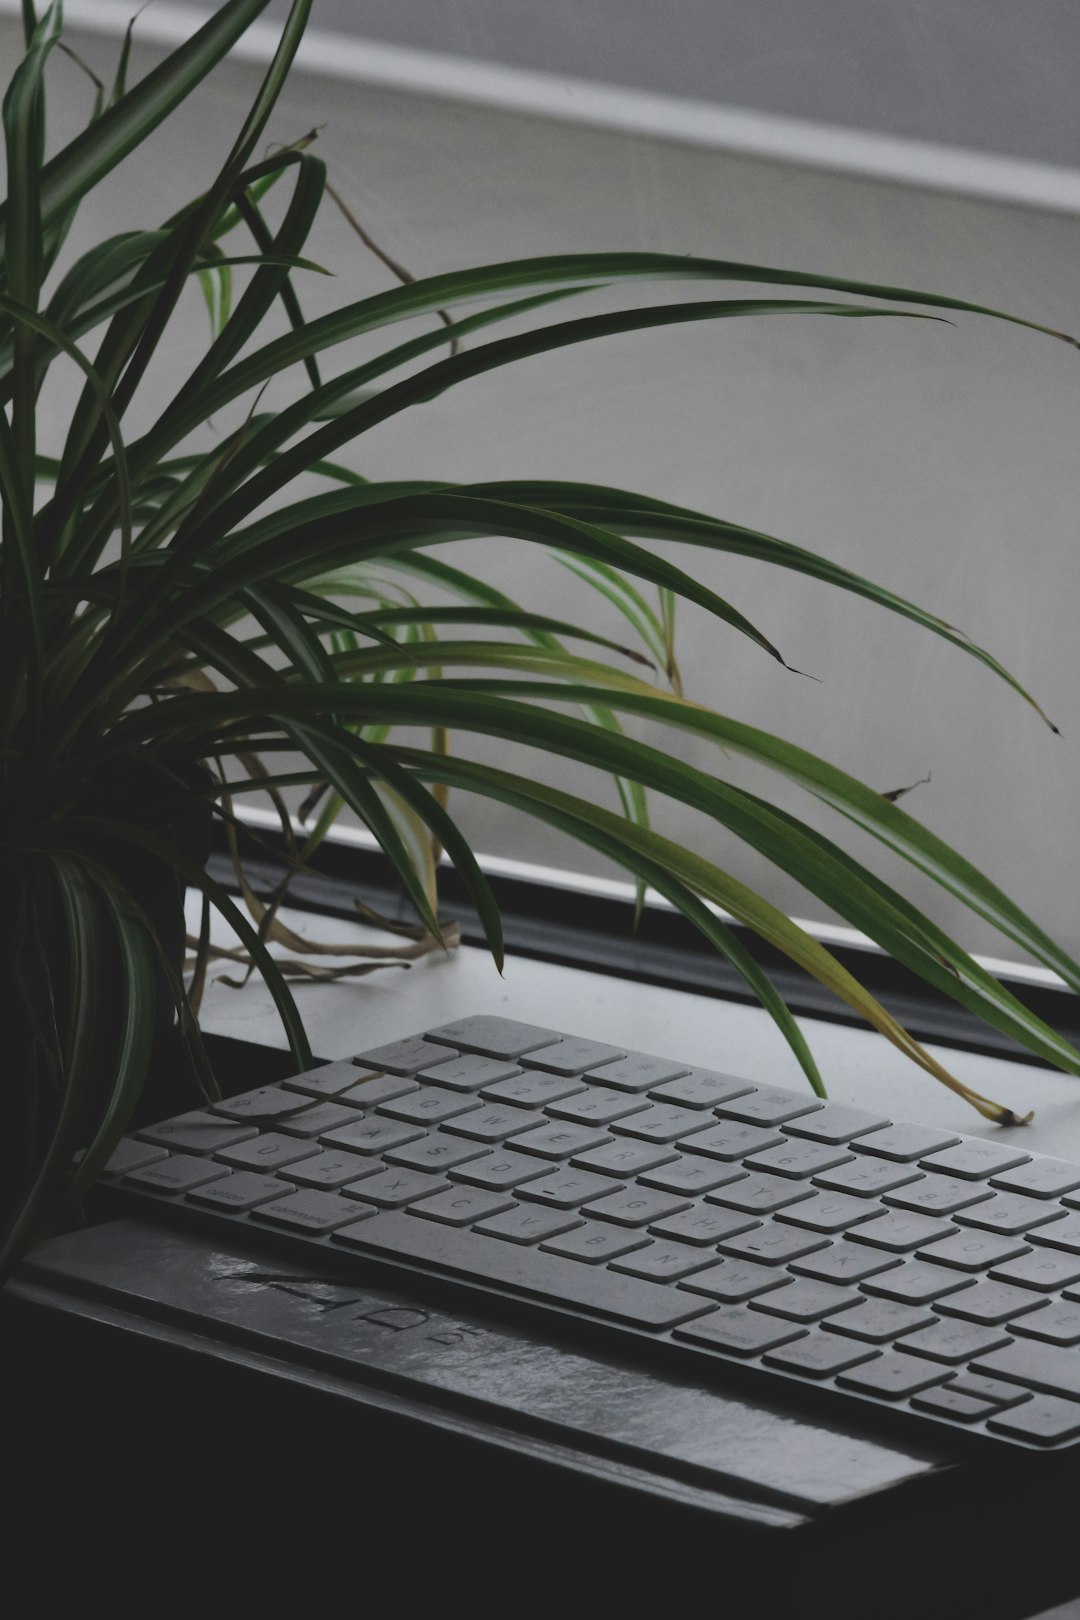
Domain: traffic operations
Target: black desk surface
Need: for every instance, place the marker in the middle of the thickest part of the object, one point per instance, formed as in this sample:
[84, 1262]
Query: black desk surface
[287, 1412]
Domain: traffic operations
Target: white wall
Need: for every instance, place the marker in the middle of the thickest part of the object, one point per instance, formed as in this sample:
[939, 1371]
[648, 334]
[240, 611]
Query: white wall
[941, 460]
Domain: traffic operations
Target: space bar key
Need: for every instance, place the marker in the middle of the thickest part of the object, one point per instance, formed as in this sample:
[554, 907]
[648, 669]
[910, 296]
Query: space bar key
[395, 1235]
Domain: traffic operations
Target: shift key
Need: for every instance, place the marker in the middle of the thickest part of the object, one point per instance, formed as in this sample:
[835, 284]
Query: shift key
[1044, 1367]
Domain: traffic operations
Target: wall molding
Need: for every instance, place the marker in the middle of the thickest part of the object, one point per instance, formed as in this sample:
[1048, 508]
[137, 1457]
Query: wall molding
[864, 154]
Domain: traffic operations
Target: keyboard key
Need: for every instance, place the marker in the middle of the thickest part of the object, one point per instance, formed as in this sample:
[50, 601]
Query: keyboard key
[197, 1132]
[1046, 1367]
[819, 1357]
[700, 1088]
[1059, 1234]
[916, 1282]
[739, 1331]
[806, 1301]
[664, 1262]
[837, 1123]
[732, 1141]
[1057, 1323]
[333, 1079]
[867, 1179]
[493, 1122]
[760, 1194]
[393, 1189]
[594, 1243]
[829, 1212]
[176, 1174]
[640, 1073]
[372, 1134]
[901, 1232]
[637, 1206]
[937, 1195]
[459, 1206]
[427, 1105]
[131, 1155]
[703, 1225]
[604, 1293]
[468, 1073]
[689, 1172]
[558, 1139]
[880, 1320]
[772, 1244]
[436, 1153]
[974, 1160]
[404, 1058]
[493, 1036]
[262, 1104]
[845, 1262]
[528, 1223]
[1044, 1269]
[1040, 1178]
[573, 1056]
[1008, 1212]
[500, 1169]
[369, 1090]
[1043, 1421]
[566, 1188]
[906, 1143]
[663, 1122]
[974, 1251]
[329, 1170]
[992, 1390]
[243, 1190]
[309, 1211]
[991, 1302]
[317, 1120]
[736, 1280]
[625, 1158]
[893, 1376]
[768, 1105]
[534, 1090]
[945, 1401]
[798, 1159]
[269, 1151]
[953, 1341]
[597, 1106]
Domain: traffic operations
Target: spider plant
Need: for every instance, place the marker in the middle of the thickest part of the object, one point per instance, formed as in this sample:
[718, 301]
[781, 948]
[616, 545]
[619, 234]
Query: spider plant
[169, 600]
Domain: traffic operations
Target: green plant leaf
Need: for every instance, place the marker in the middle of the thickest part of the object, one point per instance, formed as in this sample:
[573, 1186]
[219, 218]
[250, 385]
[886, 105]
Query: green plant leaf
[24, 139]
[98, 388]
[644, 518]
[436, 379]
[314, 536]
[93, 827]
[134, 1040]
[78, 167]
[20, 577]
[83, 927]
[678, 872]
[569, 272]
[508, 708]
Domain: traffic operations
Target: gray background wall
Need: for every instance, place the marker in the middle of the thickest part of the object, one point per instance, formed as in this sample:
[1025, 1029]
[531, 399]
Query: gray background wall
[941, 460]
[992, 75]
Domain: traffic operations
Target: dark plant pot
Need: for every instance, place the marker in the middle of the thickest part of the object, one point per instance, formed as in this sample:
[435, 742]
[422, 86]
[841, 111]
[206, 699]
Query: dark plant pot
[35, 972]
[167, 804]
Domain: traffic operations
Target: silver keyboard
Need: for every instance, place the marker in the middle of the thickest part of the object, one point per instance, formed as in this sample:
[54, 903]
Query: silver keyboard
[706, 1219]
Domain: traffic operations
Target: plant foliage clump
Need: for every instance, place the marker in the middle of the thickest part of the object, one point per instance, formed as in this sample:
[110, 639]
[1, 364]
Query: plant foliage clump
[170, 600]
